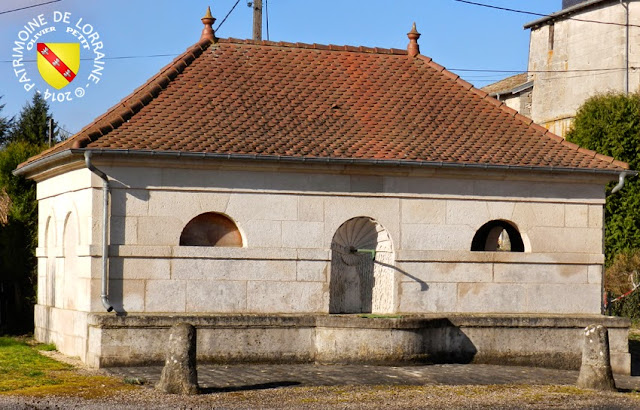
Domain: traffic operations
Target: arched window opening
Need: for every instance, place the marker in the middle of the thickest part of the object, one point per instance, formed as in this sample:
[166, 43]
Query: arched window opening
[211, 229]
[497, 236]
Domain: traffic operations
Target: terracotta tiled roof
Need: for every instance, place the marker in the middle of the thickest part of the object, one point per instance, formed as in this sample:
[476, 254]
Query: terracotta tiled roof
[269, 99]
[506, 84]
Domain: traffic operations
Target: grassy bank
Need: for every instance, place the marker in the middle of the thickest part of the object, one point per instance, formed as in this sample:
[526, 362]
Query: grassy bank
[24, 371]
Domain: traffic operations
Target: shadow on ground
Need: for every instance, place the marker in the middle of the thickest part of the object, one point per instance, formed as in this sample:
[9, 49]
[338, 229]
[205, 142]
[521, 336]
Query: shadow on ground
[261, 386]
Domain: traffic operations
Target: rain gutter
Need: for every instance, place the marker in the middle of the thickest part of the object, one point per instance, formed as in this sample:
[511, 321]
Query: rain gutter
[312, 160]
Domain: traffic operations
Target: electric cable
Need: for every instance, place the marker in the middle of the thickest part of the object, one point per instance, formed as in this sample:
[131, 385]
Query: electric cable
[228, 14]
[29, 7]
[470, 70]
[266, 8]
[532, 13]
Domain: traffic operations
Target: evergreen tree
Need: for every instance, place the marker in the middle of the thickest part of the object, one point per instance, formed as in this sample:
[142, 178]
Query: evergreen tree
[33, 124]
[5, 126]
[18, 236]
[610, 125]
[18, 240]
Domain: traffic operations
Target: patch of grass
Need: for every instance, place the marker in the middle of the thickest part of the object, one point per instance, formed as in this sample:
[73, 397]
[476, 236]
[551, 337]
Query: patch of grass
[71, 383]
[134, 380]
[26, 372]
[46, 347]
[21, 366]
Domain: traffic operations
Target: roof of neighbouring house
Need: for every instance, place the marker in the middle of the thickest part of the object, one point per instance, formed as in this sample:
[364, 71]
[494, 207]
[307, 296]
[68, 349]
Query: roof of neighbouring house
[567, 12]
[303, 102]
[507, 85]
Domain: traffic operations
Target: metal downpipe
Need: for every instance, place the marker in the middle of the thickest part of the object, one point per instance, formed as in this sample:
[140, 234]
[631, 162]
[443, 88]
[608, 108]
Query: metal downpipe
[606, 303]
[104, 296]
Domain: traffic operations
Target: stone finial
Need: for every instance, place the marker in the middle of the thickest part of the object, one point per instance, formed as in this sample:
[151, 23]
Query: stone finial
[595, 371]
[179, 375]
[207, 31]
[413, 48]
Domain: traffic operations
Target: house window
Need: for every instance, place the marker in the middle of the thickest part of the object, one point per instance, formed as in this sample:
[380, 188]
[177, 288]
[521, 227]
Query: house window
[211, 229]
[497, 236]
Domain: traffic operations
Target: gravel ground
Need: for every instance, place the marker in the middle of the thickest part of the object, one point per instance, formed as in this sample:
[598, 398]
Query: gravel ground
[351, 387]
[349, 397]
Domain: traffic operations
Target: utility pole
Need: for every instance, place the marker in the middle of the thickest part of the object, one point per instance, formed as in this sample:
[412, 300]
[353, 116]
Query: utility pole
[257, 20]
[50, 131]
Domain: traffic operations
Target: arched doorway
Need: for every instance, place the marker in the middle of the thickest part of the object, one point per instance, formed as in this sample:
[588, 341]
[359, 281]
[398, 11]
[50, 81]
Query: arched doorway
[363, 279]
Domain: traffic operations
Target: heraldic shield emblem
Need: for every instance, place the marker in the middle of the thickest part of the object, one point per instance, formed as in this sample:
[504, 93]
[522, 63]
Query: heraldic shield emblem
[58, 63]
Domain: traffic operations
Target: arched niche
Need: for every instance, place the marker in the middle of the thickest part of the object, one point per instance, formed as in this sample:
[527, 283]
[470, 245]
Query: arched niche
[363, 279]
[211, 229]
[50, 275]
[498, 236]
[66, 278]
[70, 236]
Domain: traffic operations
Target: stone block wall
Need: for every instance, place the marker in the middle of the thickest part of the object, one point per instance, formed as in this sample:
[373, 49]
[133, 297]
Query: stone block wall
[527, 340]
[68, 260]
[288, 219]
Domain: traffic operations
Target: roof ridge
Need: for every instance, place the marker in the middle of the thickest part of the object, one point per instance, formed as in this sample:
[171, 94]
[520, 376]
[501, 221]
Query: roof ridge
[526, 120]
[131, 104]
[314, 46]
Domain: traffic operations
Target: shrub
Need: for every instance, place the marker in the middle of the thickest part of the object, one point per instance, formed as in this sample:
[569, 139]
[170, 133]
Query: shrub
[610, 125]
[620, 278]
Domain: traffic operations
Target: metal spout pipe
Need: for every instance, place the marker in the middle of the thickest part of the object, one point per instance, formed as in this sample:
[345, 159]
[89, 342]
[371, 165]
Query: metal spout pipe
[621, 178]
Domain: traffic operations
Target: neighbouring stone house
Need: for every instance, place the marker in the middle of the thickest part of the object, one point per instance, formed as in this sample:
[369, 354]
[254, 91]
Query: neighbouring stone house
[587, 48]
[515, 91]
[273, 193]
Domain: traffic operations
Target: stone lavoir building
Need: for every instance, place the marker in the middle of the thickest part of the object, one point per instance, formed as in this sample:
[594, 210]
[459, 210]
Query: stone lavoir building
[302, 203]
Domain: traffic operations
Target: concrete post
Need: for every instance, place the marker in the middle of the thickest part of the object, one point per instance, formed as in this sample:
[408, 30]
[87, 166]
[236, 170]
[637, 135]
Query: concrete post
[179, 375]
[595, 372]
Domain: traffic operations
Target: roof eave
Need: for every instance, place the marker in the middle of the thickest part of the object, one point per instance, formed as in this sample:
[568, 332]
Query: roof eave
[559, 15]
[27, 168]
[512, 91]
[31, 168]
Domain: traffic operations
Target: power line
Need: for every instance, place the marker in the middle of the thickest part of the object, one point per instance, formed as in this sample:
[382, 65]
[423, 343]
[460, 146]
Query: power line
[62, 129]
[470, 70]
[107, 58]
[490, 6]
[228, 14]
[586, 70]
[532, 13]
[29, 7]
[266, 8]
[69, 133]
[564, 77]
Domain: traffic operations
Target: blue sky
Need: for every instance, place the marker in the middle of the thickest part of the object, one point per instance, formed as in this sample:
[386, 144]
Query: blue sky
[456, 35]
